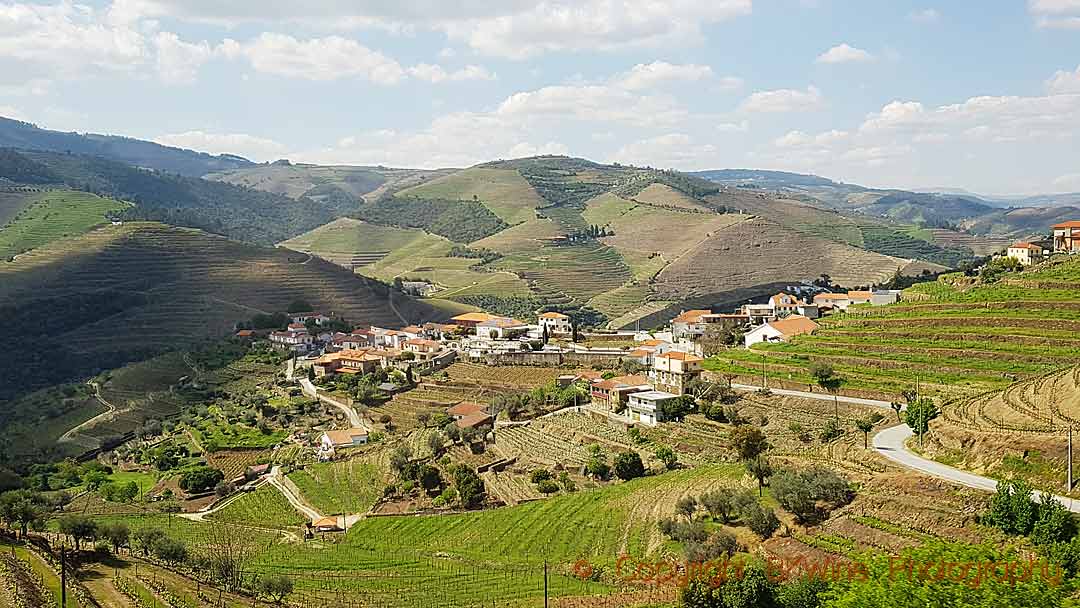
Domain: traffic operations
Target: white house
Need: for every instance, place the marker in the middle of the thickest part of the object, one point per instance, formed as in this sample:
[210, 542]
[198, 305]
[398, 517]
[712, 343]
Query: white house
[689, 323]
[300, 341]
[1025, 253]
[780, 331]
[556, 323]
[673, 370]
[501, 328]
[644, 406]
[332, 440]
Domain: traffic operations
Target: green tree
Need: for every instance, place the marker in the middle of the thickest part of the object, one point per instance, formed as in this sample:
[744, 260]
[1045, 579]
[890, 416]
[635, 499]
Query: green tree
[94, 479]
[752, 589]
[1011, 508]
[118, 534]
[919, 414]
[760, 469]
[22, 508]
[147, 538]
[275, 586]
[199, 479]
[748, 442]
[628, 465]
[864, 425]
[686, 506]
[667, 456]
[801, 492]
[170, 550]
[897, 406]
[469, 486]
[429, 477]
[1055, 523]
[676, 409]
[79, 528]
[720, 504]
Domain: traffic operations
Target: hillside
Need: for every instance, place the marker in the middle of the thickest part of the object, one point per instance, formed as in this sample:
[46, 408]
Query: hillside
[620, 244]
[125, 293]
[296, 180]
[957, 337]
[48, 216]
[234, 211]
[17, 134]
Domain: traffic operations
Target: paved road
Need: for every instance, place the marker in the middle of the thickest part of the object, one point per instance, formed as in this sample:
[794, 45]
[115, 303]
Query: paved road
[819, 396]
[274, 479]
[350, 413]
[890, 444]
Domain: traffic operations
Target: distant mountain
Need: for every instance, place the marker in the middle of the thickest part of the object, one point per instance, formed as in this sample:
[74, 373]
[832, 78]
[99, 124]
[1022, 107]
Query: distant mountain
[26, 136]
[237, 212]
[762, 178]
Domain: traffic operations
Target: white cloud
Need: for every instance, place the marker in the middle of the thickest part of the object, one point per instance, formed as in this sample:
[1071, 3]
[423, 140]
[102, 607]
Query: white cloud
[784, 100]
[1056, 14]
[329, 58]
[593, 25]
[524, 149]
[36, 87]
[657, 73]
[734, 127]
[844, 53]
[249, 146]
[436, 74]
[178, 62]
[1067, 182]
[600, 103]
[926, 15]
[669, 150]
[1064, 81]
[797, 139]
[67, 39]
[729, 83]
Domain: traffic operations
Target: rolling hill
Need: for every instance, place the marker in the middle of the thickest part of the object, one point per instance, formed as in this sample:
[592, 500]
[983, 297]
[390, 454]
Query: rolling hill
[234, 211]
[125, 293]
[139, 153]
[296, 180]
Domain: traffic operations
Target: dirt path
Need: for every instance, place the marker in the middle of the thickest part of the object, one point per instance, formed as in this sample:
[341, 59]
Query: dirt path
[112, 409]
[295, 500]
[350, 413]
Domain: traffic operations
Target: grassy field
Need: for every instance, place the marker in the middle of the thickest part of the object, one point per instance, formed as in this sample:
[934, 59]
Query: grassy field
[265, 507]
[503, 191]
[52, 216]
[954, 341]
[345, 486]
[12, 202]
[352, 242]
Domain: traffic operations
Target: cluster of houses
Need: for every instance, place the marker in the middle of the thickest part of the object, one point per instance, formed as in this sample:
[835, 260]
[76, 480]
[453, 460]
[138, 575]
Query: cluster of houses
[779, 319]
[1064, 238]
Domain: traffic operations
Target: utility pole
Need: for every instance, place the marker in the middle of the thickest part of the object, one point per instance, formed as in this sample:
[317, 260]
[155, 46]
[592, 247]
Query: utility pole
[545, 584]
[1069, 481]
[764, 375]
[63, 577]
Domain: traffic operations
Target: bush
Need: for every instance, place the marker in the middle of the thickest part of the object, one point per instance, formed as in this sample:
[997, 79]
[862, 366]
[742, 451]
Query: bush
[628, 465]
[716, 546]
[667, 456]
[547, 486]
[540, 475]
[200, 479]
[830, 431]
[720, 504]
[761, 520]
[1055, 523]
[567, 483]
[748, 442]
[800, 492]
[275, 586]
[683, 531]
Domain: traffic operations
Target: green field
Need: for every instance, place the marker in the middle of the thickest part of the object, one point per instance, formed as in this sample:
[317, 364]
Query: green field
[265, 507]
[503, 191]
[954, 341]
[347, 486]
[55, 215]
[354, 242]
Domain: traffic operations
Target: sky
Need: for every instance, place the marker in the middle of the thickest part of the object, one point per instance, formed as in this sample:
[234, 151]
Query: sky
[982, 95]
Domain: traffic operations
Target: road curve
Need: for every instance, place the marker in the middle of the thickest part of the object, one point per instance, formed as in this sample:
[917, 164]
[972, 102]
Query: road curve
[890, 443]
[350, 412]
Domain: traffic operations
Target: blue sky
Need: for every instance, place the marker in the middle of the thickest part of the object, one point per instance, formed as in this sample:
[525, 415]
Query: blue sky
[984, 96]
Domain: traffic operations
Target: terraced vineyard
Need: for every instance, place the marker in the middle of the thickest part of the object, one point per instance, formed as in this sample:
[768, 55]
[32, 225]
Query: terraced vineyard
[163, 289]
[54, 215]
[503, 191]
[353, 243]
[266, 507]
[955, 341]
[343, 486]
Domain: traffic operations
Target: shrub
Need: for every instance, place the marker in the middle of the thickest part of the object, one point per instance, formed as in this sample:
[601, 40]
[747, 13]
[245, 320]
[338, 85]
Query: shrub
[800, 492]
[628, 465]
[1011, 508]
[748, 442]
[547, 486]
[540, 475]
[761, 520]
[720, 504]
[716, 546]
[667, 456]
[275, 586]
[200, 479]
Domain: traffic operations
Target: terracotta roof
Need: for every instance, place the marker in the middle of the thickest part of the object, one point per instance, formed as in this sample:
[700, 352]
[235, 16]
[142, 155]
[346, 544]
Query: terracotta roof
[348, 355]
[831, 296]
[654, 342]
[641, 352]
[680, 356]
[412, 329]
[1069, 224]
[422, 342]
[1027, 246]
[690, 316]
[476, 317]
[553, 315]
[326, 522]
[794, 325]
[297, 327]
[860, 294]
[244, 333]
[346, 436]
[775, 300]
[466, 408]
[472, 420]
[502, 322]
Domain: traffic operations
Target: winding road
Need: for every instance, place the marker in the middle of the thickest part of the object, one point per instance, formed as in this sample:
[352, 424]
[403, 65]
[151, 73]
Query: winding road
[110, 411]
[354, 418]
[891, 443]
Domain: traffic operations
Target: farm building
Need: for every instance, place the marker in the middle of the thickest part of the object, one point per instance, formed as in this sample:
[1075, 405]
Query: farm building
[501, 328]
[360, 338]
[332, 440]
[440, 331]
[673, 370]
[689, 323]
[780, 331]
[299, 341]
[347, 362]
[613, 394]
[644, 406]
[1067, 237]
[327, 524]
[556, 323]
[303, 317]
[422, 347]
[245, 333]
[470, 320]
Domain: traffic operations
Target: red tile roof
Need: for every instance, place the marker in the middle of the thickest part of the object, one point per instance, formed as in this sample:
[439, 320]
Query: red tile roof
[691, 316]
[1069, 224]
[466, 408]
[472, 420]
[680, 356]
[794, 325]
